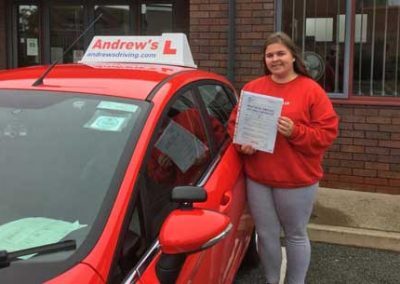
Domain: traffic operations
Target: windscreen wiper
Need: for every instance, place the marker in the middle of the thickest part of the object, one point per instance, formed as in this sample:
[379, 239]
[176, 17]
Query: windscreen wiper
[7, 257]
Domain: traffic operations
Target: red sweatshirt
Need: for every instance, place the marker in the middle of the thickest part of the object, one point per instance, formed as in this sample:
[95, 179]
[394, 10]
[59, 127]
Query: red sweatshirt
[296, 161]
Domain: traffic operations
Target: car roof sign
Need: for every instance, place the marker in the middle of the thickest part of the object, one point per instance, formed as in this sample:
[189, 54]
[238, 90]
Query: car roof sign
[169, 49]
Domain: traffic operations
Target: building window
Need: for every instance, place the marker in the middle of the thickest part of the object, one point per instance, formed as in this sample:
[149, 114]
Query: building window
[156, 18]
[114, 20]
[41, 34]
[314, 26]
[376, 48]
[348, 45]
[66, 24]
[28, 41]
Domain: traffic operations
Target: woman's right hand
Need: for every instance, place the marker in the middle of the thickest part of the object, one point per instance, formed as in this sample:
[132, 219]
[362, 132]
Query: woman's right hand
[247, 149]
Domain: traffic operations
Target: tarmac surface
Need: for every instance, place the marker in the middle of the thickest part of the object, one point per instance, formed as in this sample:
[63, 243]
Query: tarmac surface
[339, 264]
[356, 218]
[355, 239]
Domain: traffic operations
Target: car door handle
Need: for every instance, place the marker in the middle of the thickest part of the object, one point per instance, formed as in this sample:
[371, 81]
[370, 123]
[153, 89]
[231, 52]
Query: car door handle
[226, 202]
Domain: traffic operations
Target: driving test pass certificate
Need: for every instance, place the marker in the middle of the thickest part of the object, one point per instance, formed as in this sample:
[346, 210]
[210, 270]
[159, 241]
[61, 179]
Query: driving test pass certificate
[257, 120]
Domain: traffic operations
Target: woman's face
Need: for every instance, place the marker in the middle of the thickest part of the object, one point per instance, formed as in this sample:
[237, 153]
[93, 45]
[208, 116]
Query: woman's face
[279, 60]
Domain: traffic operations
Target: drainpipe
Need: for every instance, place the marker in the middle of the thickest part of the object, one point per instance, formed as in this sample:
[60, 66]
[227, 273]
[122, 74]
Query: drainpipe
[231, 40]
[278, 15]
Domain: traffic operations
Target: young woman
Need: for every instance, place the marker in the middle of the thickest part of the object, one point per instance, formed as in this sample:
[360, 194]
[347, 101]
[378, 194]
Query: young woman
[281, 186]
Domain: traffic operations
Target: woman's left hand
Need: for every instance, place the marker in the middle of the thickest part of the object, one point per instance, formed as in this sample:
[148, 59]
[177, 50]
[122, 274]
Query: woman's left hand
[285, 126]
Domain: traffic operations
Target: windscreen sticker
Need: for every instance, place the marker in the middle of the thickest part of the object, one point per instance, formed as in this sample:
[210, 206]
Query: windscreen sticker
[34, 231]
[78, 104]
[108, 123]
[105, 121]
[117, 106]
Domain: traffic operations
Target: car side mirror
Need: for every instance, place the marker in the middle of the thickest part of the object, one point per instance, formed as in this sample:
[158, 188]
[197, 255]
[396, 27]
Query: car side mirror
[186, 231]
[189, 229]
[186, 195]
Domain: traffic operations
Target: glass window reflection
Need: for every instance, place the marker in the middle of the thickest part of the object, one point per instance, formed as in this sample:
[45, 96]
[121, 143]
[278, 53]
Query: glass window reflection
[28, 35]
[115, 20]
[66, 25]
[376, 50]
[318, 29]
[156, 18]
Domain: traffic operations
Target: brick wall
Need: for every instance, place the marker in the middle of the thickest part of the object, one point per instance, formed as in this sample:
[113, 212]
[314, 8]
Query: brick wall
[254, 22]
[208, 36]
[366, 155]
[3, 57]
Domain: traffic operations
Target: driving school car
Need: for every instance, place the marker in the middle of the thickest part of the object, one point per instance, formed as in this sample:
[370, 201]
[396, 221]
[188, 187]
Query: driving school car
[113, 171]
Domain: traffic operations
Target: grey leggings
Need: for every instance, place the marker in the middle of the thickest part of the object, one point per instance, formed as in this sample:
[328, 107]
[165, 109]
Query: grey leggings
[273, 208]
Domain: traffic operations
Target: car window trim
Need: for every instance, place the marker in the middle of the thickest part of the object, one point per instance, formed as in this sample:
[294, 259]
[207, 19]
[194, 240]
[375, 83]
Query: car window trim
[231, 93]
[206, 175]
[231, 97]
[155, 90]
[206, 122]
[218, 151]
[134, 204]
[138, 270]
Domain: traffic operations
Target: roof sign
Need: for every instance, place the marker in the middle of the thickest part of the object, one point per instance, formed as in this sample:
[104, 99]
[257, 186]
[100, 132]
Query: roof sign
[169, 48]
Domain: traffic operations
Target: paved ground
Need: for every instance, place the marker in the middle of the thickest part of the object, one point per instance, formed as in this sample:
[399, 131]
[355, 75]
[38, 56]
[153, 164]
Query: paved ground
[355, 240]
[366, 210]
[343, 264]
[361, 219]
[337, 264]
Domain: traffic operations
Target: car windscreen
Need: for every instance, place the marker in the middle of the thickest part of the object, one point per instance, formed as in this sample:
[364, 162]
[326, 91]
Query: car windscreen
[62, 158]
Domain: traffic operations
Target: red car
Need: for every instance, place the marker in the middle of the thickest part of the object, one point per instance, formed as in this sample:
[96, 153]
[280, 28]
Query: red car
[119, 172]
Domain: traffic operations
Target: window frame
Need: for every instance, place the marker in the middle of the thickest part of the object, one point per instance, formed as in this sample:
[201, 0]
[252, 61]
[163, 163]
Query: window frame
[153, 140]
[218, 150]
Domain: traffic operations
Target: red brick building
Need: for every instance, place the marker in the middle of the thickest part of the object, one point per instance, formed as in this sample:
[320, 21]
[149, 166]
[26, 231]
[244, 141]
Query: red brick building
[351, 47]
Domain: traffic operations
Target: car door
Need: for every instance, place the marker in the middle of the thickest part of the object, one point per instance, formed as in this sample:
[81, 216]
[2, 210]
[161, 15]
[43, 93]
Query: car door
[225, 186]
[168, 166]
[201, 111]
[161, 171]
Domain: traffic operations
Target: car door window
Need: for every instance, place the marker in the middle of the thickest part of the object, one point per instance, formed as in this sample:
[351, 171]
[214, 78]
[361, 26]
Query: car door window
[179, 156]
[219, 102]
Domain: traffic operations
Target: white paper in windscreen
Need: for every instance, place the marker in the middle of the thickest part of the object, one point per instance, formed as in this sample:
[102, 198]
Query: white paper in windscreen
[34, 231]
[180, 145]
[257, 121]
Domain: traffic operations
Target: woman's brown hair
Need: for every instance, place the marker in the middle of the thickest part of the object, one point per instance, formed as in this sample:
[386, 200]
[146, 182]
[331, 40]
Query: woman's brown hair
[282, 38]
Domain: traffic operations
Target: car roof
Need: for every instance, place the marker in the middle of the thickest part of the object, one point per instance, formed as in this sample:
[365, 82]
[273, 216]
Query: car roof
[112, 79]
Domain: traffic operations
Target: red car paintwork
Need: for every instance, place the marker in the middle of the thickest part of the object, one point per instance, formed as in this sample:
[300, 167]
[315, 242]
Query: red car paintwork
[190, 226]
[81, 273]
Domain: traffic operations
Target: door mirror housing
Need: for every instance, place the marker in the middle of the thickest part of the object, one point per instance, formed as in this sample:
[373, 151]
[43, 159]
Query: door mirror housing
[187, 230]
[191, 230]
